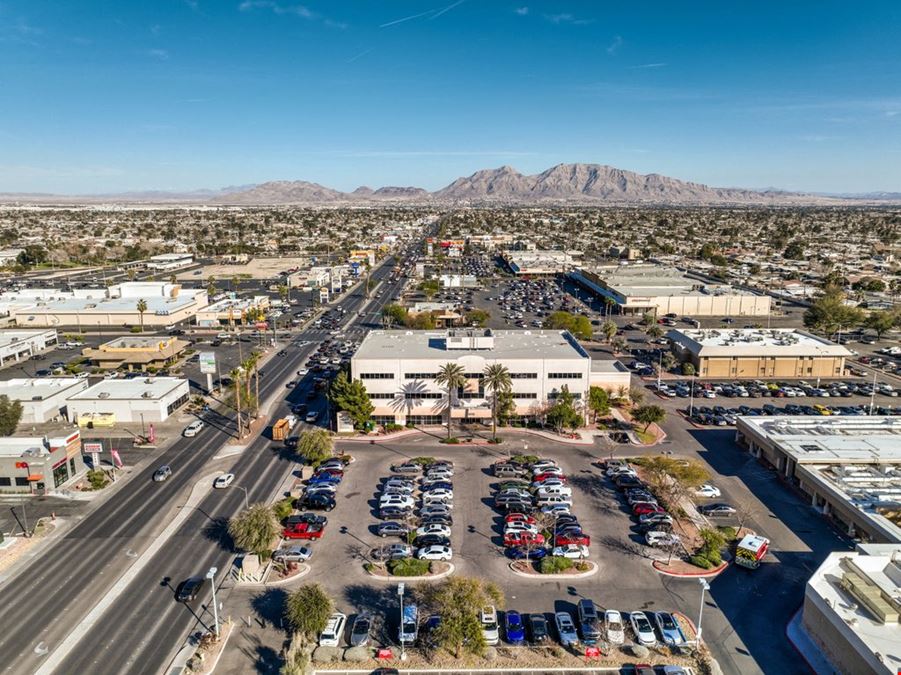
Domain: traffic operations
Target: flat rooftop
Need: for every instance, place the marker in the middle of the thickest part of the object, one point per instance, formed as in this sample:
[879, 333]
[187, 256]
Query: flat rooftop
[755, 342]
[832, 439]
[508, 344]
[136, 342]
[8, 337]
[878, 571]
[658, 280]
[30, 388]
[100, 305]
[234, 303]
[129, 389]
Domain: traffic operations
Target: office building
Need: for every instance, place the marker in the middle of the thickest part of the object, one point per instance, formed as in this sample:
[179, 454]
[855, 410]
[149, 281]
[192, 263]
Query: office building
[126, 401]
[754, 353]
[639, 289]
[166, 262]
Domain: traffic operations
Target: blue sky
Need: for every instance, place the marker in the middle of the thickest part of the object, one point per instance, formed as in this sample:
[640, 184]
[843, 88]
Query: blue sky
[181, 94]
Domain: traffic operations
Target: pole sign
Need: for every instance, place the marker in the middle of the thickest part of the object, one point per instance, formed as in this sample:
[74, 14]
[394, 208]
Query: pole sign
[94, 449]
[207, 363]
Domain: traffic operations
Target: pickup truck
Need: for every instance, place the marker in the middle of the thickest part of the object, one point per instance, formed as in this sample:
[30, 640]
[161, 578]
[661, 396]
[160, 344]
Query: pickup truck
[303, 531]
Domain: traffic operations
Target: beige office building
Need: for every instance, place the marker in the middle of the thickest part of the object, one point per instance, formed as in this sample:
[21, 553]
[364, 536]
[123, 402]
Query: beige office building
[758, 353]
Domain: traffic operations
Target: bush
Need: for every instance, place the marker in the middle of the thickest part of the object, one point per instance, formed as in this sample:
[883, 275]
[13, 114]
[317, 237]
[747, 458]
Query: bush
[423, 461]
[700, 561]
[408, 567]
[391, 427]
[283, 508]
[555, 565]
[524, 459]
[453, 440]
[135, 329]
[730, 533]
[97, 479]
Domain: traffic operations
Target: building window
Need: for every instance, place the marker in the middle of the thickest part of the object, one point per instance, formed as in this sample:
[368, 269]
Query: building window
[425, 419]
[21, 481]
[383, 419]
[523, 376]
[412, 395]
[381, 396]
[178, 403]
[5, 481]
[564, 376]
[60, 475]
[525, 394]
[376, 376]
[473, 376]
[556, 394]
[420, 376]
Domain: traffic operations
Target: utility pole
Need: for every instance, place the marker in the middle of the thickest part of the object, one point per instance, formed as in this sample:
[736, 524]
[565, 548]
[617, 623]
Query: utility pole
[211, 575]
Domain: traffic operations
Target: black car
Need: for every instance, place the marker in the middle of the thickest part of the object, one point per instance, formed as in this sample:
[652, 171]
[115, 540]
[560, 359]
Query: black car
[310, 518]
[390, 512]
[516, 507]
[537, 625]
[320, 502]
[431, 540]
[189, 589]
[437, 519]
[299, 408]
[392, 528]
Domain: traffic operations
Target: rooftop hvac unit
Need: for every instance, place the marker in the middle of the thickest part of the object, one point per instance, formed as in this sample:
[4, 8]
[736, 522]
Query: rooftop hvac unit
[103, 394]
[147, 394]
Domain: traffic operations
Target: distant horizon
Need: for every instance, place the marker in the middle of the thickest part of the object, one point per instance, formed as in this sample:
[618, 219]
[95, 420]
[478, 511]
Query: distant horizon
[201, 94]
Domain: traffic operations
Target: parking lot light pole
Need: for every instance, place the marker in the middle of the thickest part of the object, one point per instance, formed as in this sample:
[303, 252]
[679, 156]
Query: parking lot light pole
[704, 588]
[211, 575]
[403, 644]
[241, 487]
[691, 397]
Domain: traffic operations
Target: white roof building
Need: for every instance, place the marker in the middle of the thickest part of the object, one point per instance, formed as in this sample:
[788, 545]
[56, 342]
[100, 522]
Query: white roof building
[110, 402]
[42, 398]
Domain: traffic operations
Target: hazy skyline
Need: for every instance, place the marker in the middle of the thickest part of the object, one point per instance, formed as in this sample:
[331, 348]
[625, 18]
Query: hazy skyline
[185, 94]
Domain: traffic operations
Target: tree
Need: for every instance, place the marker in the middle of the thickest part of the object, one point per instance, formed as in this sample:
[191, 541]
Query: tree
[422, 321]
[142, 307]
[598, 401]
[654, 331]
[829, 313]
[636, 395]
[254, 529]
[235, 376]
[31, 255]
[351, 397]
[316, 446]
[648, 415]
[609, 329]
[211, 286]
[619, 345]
[477, 317]
[496, 379]
[794, 250]
[672, 479]
[451, 376]
[10, 415]
[284, 292]
[563, 414]
[577, 324]
[458, 601]
[307, 610]
[506, 406]
[881, 321]
[395, 314]
[688, 368]
[429, 288]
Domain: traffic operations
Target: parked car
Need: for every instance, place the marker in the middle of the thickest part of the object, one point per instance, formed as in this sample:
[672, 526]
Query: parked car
[661, 539]
[644, 631]
[566, 629]
[572, 536]
[488, 619]
[392, 552]
[717, 510]
[289, 554]
[514, 628]
[523, 538]
[317, 501]
[303, 531]
[614, 628]
[526, 553]
[434, 509]
[224, 480]
[519, 518]
[360, 629]
[589, 625]
[538, 633]
[401, 501]
[190, 588]
[435, 552]
[669, 629]
[709, 491]
[572, 551]
[334, 627]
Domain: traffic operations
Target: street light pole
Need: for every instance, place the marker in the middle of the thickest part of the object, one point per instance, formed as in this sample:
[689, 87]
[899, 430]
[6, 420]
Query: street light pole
[211, 575]
[659, 369]
[241, 487]
[704, 588]
[403, 643]
[691, 397]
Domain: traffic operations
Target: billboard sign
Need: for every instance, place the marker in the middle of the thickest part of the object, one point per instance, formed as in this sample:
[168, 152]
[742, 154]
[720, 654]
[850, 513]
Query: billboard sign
[207, 362]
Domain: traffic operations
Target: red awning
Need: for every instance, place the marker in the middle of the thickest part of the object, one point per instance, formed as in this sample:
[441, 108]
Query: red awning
[34, 477]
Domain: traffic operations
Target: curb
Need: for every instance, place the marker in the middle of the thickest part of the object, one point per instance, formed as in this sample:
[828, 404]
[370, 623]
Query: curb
[707, 574]
[280, 582]
[441, 575]
[541, 577]
[231, 628]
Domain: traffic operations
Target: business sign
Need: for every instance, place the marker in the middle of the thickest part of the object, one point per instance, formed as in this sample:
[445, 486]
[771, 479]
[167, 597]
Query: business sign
[91, 448]
[207, 362]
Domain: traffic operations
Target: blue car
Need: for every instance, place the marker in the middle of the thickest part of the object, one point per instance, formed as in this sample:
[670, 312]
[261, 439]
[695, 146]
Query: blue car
[514, 628]
[521, 553]
[324, 479]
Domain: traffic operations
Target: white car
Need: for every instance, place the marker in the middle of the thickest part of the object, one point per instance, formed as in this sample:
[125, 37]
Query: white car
[613, 626]
[402, 501]
[435, 552]
[709, 491]
[554, 500]
[548, 482]
[432, 500]
[434, 528]
[572, 551]
[546, 490]
[443, 473]
[224, 480]
[438, 493]
[550, 470]
[556, 509]
[644, 631]
[543, 464]
[488, 619]
[662, 539]
[334, 627]
[519, 526]
[193, 429]
[397, 490]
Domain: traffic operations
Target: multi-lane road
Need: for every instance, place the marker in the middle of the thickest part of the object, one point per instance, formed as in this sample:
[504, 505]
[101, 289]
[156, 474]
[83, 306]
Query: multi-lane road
[143, 629]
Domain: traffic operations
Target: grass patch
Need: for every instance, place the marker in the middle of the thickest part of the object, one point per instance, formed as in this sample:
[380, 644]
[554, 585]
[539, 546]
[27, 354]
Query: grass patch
[555, 565]
[645, 437]
[408, 567]
[423, 461]
[97, 479]
[453, 440]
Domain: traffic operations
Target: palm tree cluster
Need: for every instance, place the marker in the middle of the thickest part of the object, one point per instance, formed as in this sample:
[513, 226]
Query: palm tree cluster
[495, 378]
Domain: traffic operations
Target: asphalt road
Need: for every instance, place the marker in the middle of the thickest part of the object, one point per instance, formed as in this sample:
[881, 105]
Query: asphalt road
[141, 632]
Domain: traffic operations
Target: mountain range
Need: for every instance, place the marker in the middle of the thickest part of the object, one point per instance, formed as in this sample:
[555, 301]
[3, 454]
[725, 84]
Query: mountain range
[584, 184]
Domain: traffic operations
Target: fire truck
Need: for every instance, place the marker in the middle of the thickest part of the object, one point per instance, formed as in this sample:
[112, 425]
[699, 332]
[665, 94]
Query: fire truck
[751, 550]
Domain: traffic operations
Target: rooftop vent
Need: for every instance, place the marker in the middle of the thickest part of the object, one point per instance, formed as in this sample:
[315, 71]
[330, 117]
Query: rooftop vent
[103, 394]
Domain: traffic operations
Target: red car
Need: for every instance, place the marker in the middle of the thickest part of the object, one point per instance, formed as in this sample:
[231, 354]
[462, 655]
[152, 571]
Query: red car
[519, 518]
[331, 472]
[522, 539]
[578, 538]
[643, 508]
[303, 531]
[540, 478]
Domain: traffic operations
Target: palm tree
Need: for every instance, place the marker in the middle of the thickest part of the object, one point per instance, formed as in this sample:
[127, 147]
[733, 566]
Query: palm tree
[235, 376]
[211, 286]
[142, 307]
[251, 365]
[608, 328]
[450, 376]
[497, 379]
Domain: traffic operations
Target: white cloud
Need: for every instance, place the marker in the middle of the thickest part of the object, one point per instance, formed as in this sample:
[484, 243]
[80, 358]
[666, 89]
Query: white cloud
[161, 54]
[614, 46]
[522, 11]
[568, 19]
[301, 11]
[650, 65]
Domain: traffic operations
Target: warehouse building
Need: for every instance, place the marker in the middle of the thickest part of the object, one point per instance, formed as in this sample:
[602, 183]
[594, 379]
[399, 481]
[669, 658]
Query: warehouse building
[639, 289]
[166, 262]
[41, 465]
[233, 311]
[117, 305]
[136, 352]
[20, 345]
[851, 610]
[538, 263]
[849, 467]
[754, 353]
[43, 399]
[112, 402]
[399, 369]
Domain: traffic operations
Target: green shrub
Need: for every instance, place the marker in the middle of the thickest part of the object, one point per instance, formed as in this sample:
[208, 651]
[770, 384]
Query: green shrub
[555, 565]
[391, 427]
[408, 567]
[700, 561]
[135, 329]
[97, 479]
[423, 461]
[283, 508]
[453, 440]
[728, 532]
[524, 459]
